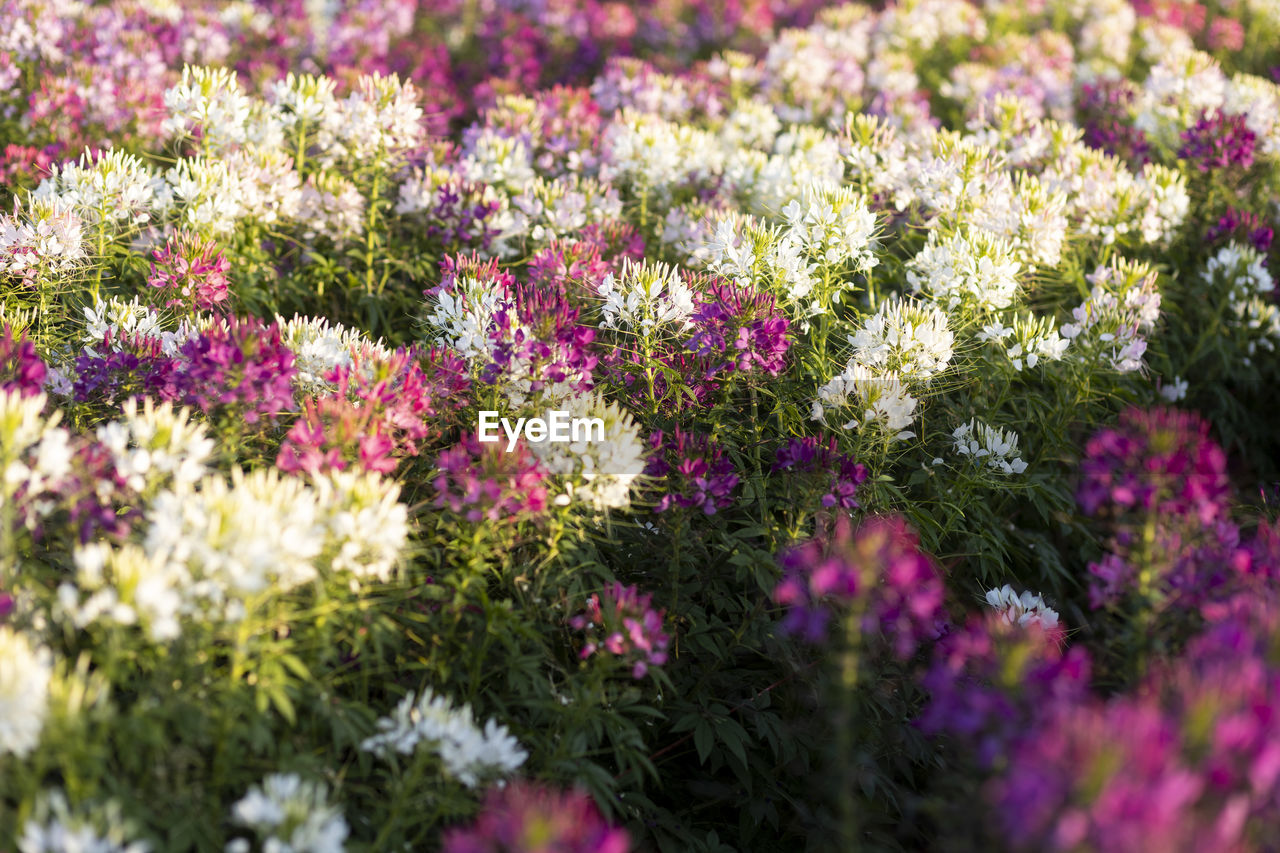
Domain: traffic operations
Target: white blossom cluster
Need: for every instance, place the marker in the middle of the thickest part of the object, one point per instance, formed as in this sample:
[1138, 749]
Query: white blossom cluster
[1027, 342]
[131, 319]
[55, 827]
[975, 270]
[992, 447]
[834, 227]
[461, 317]
[40, 243]
[25, 673]
[1024, 608]
[1240, 270]
[209, 552]
[469, 753]
[596, 473]
[658, 156]
[1111, 325]
[35, 455]
[110, 189]
[289, 814]
[909, 338]
[319, 346]
[157, 447]
[643, 297]
[870, 400]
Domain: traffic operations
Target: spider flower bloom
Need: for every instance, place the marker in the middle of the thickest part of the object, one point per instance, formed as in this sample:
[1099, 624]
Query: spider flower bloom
[192, 270]
[21, 369]
[740, 329]
[1219, 141]
[988, 679]
[481, 481]
[697, 471]
[240, 366]
[837, 475]
[624, 625]
[1245, 227]
[878, 565]
[1155, 460]
[531, 819]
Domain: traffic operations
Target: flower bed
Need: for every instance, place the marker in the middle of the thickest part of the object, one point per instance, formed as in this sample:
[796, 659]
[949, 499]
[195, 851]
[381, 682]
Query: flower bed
[600, 426]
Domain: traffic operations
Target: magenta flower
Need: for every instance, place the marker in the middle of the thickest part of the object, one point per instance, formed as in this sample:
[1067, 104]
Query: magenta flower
[191, 270]
[383, 409]
[20, 367]
[239, 368]
[481, 481]
[739, 330]
[876, 567]
[624, 625]
[1218, 141]
[697, 471]
[1155, 460]
[526, 818]
[836, 475]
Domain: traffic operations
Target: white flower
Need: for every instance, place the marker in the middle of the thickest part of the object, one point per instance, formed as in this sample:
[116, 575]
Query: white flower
[877, 401]
[905, 337]
[56, 828]
[111, 188]
[834, 226]
[993, 447]
[1022, 609]
[379, 119]
[645, 296]
[1174, 390]
[209, 100]
[597, 473]
[470, 754]
[979, 270]
[43, 241]
[292, 815]
[319, 346]
[25, 672]
[365, 527]
[461, 318]
[157, 447]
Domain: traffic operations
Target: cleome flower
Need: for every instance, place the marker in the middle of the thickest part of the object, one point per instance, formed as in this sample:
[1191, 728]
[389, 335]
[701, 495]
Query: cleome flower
[469, 753]
[992, 447]
[1022, 609]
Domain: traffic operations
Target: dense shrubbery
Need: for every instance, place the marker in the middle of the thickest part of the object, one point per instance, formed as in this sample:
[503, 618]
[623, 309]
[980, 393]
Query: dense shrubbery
[893, 537]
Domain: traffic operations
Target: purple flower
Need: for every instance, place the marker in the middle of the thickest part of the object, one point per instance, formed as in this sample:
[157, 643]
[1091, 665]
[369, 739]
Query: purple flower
[241, 369]
[126, 366]
[1218, 141]
[876, 567]
[835, 475]
[1244, 226]
[739, 330]
[481, 481]
[698, 472]
[532, 819]
[1155, 460]
[21, 368]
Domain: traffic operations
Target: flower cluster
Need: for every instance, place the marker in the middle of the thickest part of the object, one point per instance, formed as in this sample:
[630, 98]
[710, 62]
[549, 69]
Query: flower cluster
[875, 572]
[696, 471]
[623, 624]
[483, 482]
[522, 816]
[467, 752]
[192, 270]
